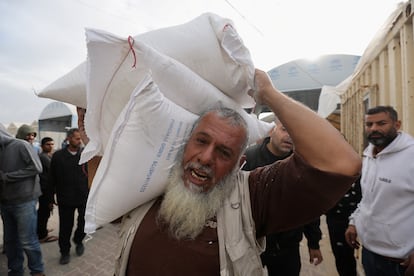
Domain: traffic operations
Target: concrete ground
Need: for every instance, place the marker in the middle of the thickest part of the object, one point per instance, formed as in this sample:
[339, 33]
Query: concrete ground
[100, 251]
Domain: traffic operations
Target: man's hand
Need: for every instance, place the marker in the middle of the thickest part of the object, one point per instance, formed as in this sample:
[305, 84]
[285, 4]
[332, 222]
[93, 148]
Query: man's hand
[263, 85]
[81, 124]
[351, 237]
[315, 256]
[409, 263]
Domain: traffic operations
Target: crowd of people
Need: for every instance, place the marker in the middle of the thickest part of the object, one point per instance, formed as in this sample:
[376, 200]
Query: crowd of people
[30, 180]
[230, 208]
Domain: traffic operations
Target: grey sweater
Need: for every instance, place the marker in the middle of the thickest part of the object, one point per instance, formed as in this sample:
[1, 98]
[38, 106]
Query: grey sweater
[19, 169]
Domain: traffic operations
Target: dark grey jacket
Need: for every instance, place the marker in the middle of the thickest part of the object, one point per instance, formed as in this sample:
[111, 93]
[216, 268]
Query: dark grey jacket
[19, 169]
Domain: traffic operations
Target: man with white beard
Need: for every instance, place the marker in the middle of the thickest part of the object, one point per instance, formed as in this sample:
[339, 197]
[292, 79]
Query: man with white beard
[213, 217]
[186, 210]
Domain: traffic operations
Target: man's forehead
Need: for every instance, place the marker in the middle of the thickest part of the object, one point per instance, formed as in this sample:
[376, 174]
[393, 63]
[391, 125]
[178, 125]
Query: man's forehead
[212, 124]
[381, 116]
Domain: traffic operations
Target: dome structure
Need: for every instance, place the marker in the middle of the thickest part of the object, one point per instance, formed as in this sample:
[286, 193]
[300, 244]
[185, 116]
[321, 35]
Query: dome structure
[57, 110]
[303, 79]
[55, 120]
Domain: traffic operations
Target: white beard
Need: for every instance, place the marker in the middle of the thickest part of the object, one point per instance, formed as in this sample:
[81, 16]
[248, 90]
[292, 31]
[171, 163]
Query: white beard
[184, 211]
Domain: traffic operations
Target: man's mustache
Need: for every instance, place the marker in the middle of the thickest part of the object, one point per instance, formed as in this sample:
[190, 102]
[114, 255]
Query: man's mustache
[376, 133]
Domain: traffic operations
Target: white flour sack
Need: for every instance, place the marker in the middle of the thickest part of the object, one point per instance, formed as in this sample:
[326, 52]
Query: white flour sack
[140, 153]
[69, 88]
[211, 47]
[208, 45]
[187, 89]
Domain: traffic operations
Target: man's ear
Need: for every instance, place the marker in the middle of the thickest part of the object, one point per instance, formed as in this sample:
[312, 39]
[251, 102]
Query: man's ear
[242, 161]
[398, 124]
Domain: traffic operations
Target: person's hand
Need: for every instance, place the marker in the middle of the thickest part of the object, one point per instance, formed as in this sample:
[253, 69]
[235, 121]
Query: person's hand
[315, 256]
[409, 263]
[81, 124]
[263, 85]
[351, 237]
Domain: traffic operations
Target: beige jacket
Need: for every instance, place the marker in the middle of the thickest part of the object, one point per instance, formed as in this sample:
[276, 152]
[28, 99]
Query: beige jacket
[238, 247]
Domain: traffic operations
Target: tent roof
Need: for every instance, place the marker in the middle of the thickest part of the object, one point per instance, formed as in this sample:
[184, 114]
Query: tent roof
[305, 74]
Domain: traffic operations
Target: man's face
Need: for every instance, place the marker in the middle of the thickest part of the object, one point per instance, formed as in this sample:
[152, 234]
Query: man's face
[281, 143]
[211, 153]
[48, 146]
[30, 137]
[380, 129]
[75, 140]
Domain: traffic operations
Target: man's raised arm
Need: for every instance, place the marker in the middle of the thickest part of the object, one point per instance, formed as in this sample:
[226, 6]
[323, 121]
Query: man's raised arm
[315, 139]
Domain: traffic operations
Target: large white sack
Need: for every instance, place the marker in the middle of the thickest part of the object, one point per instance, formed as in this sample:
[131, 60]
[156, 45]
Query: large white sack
[209, 45]
[213, 50]
[70, 88]
[141, 151]
[187, 89]
[111, 77]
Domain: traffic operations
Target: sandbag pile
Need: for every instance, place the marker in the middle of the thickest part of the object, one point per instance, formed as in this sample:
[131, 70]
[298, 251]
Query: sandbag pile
[143, 94]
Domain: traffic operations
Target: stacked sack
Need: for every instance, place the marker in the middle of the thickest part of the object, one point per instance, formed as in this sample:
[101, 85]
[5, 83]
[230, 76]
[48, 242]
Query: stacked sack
[143, 95]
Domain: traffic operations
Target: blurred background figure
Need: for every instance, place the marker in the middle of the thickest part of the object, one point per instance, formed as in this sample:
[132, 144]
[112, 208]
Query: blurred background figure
[70, 182]
[46, 200]
[19, 193]
[28, 133]
[282, 254]
[337, 220]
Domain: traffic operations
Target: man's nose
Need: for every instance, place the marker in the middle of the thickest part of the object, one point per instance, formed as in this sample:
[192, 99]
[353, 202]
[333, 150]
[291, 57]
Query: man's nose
[205, 156]
[373, 127]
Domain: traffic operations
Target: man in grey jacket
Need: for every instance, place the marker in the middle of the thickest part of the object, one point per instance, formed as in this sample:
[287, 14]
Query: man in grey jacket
[19, 192]
[383, 221]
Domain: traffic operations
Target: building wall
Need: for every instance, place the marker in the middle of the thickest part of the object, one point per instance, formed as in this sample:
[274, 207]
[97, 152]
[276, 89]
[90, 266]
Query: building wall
[386, 77]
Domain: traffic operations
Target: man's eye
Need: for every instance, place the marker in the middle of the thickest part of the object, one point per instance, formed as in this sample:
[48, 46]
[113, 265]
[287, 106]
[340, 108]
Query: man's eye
[225, 154]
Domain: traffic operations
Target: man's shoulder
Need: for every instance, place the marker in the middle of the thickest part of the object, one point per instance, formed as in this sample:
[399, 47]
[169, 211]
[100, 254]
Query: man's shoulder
[59, 154]
[253, 149]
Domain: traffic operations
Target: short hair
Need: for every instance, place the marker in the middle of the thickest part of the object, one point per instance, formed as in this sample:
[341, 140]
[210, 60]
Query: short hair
[45, 140]
[231, 116]
[386, 109]
[70, 132]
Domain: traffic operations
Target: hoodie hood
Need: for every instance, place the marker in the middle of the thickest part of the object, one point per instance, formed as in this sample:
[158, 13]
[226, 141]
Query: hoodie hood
[25, 130]
[5, 136]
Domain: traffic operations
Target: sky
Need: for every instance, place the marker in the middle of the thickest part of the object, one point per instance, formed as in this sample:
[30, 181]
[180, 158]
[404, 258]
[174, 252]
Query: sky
[42, 40]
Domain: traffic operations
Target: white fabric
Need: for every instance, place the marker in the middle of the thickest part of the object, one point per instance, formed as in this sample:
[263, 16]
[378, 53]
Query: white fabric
[330, 97]
[70, 88]
[328, 101]
[384, 217]
[139, 155]
[184, 87]
[209, 45]
[112, 78]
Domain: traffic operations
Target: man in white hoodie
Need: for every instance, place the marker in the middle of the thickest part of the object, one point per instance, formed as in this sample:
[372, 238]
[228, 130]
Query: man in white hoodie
[383, 220]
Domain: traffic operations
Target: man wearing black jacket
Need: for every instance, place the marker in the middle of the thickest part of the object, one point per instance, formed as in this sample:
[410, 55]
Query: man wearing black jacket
[46, 201]
[70, 182]
[337, 220]
[282, 256]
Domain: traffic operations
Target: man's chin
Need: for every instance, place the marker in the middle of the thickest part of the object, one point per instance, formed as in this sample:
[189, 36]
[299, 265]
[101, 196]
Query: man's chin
[377, 142]
[194, 188]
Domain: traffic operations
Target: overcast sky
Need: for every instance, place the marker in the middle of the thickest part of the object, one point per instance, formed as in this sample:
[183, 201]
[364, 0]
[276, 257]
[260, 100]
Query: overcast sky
[41, 40]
